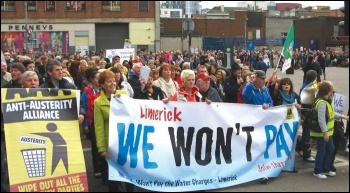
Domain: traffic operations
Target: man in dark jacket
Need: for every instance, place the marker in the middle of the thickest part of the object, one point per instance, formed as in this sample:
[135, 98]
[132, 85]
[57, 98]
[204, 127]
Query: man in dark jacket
[16, 70]
[56, 80]
[207, 92]
[135, 81]
[232, 84]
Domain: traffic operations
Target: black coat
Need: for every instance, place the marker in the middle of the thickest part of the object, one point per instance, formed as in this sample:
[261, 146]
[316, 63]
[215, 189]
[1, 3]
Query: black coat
[231, 88]
[156, 95]
[62, 84]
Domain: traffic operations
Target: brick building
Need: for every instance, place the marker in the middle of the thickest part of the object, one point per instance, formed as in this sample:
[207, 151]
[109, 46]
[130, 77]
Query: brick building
[66, 26]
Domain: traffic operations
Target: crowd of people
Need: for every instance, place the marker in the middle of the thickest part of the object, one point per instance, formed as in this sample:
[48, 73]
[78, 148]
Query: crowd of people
[181, 76]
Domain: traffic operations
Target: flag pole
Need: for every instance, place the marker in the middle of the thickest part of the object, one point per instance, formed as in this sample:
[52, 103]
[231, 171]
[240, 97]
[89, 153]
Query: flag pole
[279, 60]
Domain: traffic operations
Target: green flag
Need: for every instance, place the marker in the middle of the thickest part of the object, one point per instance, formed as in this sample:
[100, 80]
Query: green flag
[289, 43]
[287, 50]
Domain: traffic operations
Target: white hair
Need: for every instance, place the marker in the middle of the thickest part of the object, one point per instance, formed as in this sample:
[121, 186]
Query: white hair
[186, 73]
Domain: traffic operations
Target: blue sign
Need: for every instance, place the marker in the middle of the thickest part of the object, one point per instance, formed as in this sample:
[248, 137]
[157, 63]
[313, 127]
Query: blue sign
[250, 45]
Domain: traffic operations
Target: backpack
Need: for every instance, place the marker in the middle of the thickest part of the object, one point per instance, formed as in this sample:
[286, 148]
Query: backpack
[311, 119]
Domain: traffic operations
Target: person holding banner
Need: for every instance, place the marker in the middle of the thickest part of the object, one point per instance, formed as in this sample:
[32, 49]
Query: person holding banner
[285, 94]
[150, 91]
[324, 139]
[256, 93]
[209, 94]
[134, 80]
[232, 83]
[188, 91]
[101, 121]
[164, 82]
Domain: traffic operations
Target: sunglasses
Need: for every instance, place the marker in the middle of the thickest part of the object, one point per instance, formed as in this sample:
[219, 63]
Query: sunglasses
[286, 83]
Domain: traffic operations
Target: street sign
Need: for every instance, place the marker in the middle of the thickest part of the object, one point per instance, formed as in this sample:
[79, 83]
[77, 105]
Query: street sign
[250, 45]
[188, 25]
[228, 56]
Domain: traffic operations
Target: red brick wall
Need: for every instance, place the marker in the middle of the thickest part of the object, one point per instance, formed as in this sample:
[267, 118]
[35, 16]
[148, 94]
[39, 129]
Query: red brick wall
[129, 9]
[224, 28]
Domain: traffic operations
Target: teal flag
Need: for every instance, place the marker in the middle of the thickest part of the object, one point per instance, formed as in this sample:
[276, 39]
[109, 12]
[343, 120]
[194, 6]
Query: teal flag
[289, 44]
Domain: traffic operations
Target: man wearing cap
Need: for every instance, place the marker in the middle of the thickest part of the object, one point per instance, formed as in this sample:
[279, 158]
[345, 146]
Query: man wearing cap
[208, 93]
[256, 93]
[16, 70]
[232, 84]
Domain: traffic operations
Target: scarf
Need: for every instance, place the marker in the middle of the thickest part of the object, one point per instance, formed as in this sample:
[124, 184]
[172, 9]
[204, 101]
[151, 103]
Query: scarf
[287, 99]
[90, 102]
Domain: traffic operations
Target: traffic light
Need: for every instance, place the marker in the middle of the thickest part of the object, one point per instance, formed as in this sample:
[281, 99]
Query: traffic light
[345, 23]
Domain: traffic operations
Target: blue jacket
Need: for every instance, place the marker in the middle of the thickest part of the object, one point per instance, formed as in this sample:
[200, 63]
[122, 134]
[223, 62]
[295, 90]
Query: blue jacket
[253, 96]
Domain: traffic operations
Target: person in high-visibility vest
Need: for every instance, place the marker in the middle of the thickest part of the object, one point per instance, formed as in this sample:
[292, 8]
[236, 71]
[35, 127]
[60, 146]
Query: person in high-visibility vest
[326, 116]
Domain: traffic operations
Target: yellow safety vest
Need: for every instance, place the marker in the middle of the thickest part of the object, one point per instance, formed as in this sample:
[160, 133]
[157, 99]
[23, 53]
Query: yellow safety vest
[330, 121]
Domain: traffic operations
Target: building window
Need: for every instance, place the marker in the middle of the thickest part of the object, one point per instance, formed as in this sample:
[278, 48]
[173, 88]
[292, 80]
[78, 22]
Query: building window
[76, 6]
[50, 5]
[111, 5]
[175, 14]
[143, 5]
[31, 5]
[7, 5]
[284, 34]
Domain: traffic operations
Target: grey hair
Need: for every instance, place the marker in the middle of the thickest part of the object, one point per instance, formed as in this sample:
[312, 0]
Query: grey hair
[52, 63]
[186, 73]
[186, 64]
[28, 73]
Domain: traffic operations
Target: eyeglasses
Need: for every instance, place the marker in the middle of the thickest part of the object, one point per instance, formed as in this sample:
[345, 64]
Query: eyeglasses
[286, 83]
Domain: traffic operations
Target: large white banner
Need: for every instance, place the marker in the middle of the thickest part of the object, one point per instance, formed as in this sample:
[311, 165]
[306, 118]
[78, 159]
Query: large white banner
[195, 146]
[123, 53]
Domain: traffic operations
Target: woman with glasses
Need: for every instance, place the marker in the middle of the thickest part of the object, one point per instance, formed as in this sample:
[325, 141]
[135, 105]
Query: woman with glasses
[285, 94]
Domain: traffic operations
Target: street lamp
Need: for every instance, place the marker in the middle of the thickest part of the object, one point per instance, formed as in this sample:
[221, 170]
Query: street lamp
[245, 29]
[26, 15]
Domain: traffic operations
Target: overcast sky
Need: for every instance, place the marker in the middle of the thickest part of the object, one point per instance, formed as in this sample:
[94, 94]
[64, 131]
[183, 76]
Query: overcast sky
[333, 4]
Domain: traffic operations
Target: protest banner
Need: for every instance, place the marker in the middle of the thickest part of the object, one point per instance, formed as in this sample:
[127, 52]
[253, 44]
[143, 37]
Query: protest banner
[195, 146]
[44, 151]
[339, 102]
[123, 53]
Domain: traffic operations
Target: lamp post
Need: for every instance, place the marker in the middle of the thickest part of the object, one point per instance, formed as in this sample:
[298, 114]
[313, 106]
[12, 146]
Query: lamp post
[26, 32]
[245, 29]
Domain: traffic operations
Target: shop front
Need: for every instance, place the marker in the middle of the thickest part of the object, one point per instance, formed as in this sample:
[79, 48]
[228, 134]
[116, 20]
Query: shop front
[54, 38]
